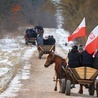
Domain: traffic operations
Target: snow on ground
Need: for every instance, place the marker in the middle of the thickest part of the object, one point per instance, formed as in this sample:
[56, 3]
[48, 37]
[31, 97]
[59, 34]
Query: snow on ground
[7, 46]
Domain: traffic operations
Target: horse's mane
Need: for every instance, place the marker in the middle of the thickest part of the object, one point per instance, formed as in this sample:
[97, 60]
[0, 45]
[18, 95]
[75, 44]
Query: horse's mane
[59, 56]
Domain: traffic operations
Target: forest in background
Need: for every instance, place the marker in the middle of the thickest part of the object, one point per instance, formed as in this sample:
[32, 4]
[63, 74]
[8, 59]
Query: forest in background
[75, 10]
[17, 13]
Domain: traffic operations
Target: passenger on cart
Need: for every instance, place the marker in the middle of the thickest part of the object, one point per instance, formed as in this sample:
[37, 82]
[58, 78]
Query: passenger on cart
[49, 40]
[30, 34]
[95, 56]
[74, 57]
[80, 49]
[39, 29]
[87, 59]
[40, 36]
[52, 40]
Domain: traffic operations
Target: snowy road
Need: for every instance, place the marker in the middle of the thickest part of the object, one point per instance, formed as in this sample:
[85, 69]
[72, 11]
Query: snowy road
[22, 74]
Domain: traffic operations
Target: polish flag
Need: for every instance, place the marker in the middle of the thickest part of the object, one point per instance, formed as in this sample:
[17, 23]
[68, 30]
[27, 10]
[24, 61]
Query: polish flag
[79, 32]
[92, 41]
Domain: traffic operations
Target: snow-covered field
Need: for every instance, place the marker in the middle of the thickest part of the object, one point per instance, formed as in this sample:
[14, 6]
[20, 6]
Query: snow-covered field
[14, 52]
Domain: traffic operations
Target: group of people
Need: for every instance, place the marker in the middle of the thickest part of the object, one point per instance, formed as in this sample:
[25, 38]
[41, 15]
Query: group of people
[33, 32]
[50, 40]
[30, 33]
[37, 33]
[78, 57]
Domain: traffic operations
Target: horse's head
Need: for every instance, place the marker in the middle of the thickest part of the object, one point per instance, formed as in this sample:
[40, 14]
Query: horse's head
[50, 59]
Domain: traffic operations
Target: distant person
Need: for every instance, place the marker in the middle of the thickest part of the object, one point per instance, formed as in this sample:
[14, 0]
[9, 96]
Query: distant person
[40, 40]
[52, 40]
[80, 49]
[30, 33]
[39, 29]
[34, 34]
[74, 57]
[46, 40]
[65, 44]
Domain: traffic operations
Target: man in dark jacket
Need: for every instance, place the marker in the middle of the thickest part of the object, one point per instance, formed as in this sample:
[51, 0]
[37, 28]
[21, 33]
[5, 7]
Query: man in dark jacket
[52, 40]
[87, 59]
[74, 57]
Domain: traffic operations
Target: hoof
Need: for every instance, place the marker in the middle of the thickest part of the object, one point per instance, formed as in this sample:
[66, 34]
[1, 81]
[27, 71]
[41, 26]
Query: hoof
[55, 89]
[80, 92]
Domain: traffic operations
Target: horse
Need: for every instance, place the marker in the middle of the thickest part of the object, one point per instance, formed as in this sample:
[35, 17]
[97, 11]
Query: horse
[59, 62]
[60, 73]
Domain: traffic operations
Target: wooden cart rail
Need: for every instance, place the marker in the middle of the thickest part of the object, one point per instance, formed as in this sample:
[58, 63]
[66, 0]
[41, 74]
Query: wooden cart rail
[85, 72]
[81, 75]
[31, 40]
[45, 49]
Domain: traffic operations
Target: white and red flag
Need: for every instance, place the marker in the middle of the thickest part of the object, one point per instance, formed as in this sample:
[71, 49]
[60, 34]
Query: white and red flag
[92, 41]
[79, 32]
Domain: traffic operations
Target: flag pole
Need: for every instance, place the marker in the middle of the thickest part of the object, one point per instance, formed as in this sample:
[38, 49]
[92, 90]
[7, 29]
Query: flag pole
[85, 38]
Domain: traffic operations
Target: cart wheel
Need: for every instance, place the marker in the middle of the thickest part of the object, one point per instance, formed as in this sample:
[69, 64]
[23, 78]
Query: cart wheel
[97, 89]
[26, 42]
[33, 43]
[68, 87]
[63, 85]
[91, 89]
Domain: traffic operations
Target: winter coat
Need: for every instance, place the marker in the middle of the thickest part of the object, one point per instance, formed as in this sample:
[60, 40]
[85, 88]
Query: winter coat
[95, 64]
[40, 39]
[74, 58]
[52, 40]
[87, 59]
[30, 33]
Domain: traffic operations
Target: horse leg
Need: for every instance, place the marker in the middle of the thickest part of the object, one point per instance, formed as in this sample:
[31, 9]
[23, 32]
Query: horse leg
[81, 89]
[60, 85]
[55, 89]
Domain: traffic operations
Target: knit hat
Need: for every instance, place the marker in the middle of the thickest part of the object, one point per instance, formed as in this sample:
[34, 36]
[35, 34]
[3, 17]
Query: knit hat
[80, 47]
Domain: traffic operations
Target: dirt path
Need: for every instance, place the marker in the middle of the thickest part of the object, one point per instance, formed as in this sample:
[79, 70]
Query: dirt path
[41, 84]
[39, 81]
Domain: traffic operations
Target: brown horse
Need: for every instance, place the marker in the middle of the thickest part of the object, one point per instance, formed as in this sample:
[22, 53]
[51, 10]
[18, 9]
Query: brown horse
[60, 73]
[59, 62]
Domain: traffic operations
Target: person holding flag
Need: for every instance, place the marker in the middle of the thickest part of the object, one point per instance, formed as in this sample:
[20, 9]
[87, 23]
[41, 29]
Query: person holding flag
[92, 46]
[79, 32]
[92, 41]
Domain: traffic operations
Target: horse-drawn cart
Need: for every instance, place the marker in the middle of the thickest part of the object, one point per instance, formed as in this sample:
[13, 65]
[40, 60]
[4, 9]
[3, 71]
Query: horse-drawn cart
[84, 76]
[45, 49]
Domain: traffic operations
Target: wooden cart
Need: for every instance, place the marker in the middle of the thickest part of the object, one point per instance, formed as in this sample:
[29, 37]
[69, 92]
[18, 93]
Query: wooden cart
[45, 49]
[81, 75]
[31, 40]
